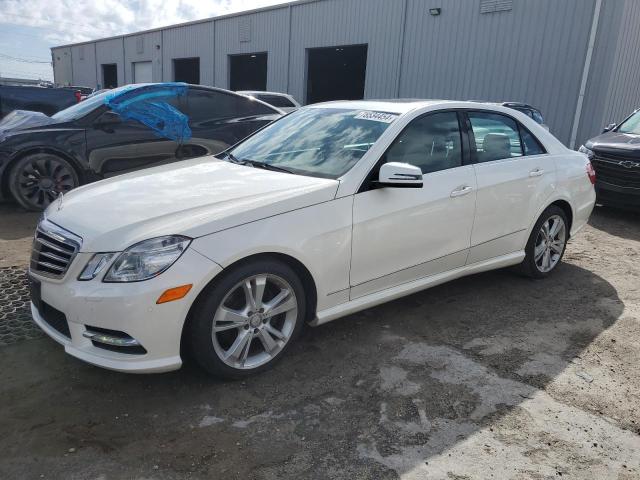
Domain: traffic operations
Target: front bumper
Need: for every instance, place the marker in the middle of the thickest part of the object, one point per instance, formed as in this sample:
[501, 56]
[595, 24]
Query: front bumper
[124, 307]
[617, 196]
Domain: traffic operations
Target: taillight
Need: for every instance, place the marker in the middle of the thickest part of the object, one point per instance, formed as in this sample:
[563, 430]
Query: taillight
[78, 95]
[591, 173]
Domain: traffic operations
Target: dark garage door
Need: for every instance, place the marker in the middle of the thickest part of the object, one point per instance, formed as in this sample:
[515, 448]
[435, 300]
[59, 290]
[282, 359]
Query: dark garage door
[186, 70]
[336, 73]
[109, 75]
[248, 72]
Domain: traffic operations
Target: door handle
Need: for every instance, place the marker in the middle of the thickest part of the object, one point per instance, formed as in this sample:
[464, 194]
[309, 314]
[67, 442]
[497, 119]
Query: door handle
[460, 191]
[538, 172]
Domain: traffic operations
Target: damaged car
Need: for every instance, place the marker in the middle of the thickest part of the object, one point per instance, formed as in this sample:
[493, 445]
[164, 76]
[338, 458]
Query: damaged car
[119, 131]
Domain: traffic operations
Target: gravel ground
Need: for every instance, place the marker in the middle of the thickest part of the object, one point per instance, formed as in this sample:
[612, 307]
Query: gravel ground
[491, 376]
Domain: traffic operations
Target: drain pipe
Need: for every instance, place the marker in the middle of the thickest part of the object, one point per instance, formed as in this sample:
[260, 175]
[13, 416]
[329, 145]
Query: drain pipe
[585, 74]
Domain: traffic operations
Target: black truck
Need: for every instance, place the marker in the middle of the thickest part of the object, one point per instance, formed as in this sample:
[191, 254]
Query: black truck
[36, 99]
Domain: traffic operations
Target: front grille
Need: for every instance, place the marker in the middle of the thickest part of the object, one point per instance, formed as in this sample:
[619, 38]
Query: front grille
[53, 250]
[612, 170]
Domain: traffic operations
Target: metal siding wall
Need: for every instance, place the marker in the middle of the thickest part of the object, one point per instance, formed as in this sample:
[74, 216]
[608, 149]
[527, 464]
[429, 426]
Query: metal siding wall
[62, 68]
[329, 23]
[591, 120]
[186, 42]
[624, 91]
[150, 54]
[84, 69]
[268, 33]
[533, 53]
[110, 51]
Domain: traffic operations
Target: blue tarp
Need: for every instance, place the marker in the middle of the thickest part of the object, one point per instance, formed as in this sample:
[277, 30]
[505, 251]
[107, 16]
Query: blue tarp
[144, 103]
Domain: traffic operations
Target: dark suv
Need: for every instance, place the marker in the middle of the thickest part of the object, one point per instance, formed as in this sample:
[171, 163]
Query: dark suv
[118, 131]
[615, 156]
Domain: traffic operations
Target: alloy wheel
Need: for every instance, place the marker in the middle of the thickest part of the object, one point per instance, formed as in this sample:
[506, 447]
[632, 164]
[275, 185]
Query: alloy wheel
[254, 321]
[41, 180]
[550, 243]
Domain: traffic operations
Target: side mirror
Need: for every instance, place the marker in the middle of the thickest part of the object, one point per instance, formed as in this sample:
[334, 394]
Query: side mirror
[609, 127]
[107, 119]
[400, 175]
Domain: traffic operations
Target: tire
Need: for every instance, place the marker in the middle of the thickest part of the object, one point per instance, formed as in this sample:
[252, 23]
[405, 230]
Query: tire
[227, 307]
[543, 256]
[36, 180]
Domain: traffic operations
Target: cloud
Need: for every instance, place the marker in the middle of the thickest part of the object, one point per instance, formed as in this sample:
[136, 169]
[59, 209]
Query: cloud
[66, 21]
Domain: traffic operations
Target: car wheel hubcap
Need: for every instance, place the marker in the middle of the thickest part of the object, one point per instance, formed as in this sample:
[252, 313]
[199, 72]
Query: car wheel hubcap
[550, 243]
[254, 321]
[41, 181]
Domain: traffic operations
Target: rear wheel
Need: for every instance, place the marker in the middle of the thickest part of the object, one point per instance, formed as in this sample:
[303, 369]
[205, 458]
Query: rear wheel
[38, 179]
[248, 319]
[547, 243]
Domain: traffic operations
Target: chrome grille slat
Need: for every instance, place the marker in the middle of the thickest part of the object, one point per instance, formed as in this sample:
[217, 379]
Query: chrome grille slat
[53, 246]
[53, 257]
[53, 250]
[51, 266]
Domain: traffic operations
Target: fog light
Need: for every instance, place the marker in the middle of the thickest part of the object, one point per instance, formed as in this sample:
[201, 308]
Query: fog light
[175, 293]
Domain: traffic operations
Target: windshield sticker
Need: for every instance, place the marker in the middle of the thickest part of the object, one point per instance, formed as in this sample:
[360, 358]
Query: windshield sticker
[377, 116]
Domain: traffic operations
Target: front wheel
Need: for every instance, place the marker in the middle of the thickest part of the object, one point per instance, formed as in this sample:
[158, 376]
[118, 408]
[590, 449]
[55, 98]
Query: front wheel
[547, 243]
[248, 319]
[37, 180]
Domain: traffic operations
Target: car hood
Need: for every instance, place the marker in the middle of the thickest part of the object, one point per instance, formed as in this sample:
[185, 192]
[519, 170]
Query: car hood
[23, 119]
[616, 142]
[193, 198]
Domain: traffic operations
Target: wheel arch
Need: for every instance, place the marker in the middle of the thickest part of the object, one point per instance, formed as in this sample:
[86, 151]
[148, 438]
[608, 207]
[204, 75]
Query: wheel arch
[565, 206]
[560, 202]
[311, 292]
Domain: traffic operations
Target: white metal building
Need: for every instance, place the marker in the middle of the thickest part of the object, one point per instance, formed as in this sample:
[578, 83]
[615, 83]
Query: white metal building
[576, 60]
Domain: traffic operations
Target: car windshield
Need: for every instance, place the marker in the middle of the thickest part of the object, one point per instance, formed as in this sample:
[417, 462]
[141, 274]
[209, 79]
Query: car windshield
[320, 142]
[631, 125]
[81, 109]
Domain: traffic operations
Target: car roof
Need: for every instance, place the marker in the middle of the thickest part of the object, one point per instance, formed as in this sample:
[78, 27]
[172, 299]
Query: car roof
[398, 105]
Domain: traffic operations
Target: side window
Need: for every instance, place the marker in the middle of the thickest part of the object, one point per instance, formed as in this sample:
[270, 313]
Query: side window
[496, 136]
[431, 142]
[208, 106]
[531, 144]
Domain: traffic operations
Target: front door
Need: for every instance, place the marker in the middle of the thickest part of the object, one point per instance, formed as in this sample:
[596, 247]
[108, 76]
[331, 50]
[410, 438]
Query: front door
[402, 234]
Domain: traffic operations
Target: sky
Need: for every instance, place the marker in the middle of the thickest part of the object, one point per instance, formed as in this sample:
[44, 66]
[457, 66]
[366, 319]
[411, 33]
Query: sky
[28, 29]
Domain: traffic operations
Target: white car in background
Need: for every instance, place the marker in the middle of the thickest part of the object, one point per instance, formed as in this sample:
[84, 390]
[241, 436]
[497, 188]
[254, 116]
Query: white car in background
[332, 209]
[283, 101]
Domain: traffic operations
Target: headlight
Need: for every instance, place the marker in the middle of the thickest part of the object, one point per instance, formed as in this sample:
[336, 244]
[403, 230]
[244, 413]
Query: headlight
[147, 259]
[589, 153]
[95, 265]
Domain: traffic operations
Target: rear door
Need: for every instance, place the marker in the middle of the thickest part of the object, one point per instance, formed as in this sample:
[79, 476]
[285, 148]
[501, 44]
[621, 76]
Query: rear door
[220, 119]
[515, 176]
[403, 234]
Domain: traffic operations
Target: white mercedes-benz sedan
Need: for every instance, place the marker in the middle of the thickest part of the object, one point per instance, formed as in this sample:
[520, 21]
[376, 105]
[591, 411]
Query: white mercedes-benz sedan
[332, 209]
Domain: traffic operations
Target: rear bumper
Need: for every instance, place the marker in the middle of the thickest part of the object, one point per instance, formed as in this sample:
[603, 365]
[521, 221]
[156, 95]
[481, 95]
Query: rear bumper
[616, 196]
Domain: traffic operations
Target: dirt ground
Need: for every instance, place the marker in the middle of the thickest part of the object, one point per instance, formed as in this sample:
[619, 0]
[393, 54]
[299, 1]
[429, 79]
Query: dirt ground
[491, 376]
